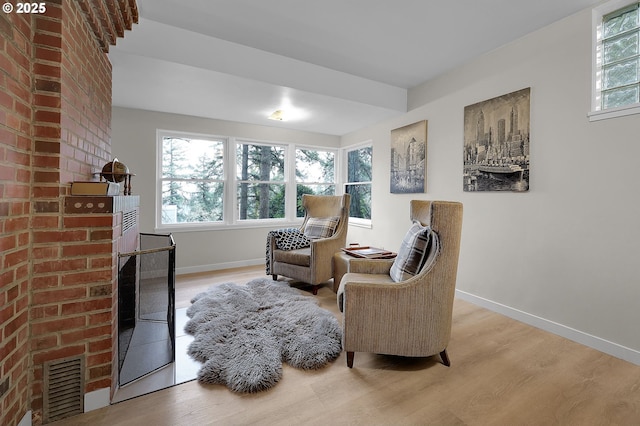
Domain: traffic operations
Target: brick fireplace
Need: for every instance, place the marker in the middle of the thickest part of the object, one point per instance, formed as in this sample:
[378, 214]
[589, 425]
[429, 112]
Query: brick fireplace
[58, 255]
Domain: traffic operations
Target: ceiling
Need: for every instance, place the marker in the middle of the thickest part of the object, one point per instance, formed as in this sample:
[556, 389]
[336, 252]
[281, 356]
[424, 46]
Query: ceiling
[333, 66]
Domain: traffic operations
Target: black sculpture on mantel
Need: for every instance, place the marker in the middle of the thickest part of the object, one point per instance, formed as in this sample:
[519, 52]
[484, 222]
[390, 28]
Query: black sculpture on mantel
[115, 171]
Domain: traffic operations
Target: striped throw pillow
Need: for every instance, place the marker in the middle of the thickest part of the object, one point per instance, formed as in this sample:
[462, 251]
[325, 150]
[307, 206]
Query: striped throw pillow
[321, 227]
[413, 252]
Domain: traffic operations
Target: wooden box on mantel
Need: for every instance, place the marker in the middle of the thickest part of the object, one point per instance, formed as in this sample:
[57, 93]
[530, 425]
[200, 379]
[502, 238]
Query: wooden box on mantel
[100, 204]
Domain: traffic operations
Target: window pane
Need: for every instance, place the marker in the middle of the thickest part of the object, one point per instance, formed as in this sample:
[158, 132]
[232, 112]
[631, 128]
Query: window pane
[260, 162]
[360, 206]
[620, 48]
[315, 166]
[622, 22]
[191, 202]
[192, 158]
[620, 97]
[313, 190]
[359, 165]
[621, 74]
[618, 80]
[260, 200]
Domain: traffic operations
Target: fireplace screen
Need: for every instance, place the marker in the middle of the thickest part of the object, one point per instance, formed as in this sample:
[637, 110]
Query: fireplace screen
[146, 307]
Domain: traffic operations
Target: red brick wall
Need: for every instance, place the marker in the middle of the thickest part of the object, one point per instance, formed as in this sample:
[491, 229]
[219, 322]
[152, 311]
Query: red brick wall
[72, 279]
[86, 135]
[57, 279]
[15, 177]
[86, 99]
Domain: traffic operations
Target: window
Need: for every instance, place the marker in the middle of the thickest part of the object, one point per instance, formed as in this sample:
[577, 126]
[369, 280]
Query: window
[261, 185]
[211, 181]
[617, 59]
[358, 182]
[192, 180]
[315, 174]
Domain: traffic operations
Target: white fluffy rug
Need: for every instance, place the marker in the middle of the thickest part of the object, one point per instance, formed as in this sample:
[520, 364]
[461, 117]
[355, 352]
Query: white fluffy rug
[243, 333]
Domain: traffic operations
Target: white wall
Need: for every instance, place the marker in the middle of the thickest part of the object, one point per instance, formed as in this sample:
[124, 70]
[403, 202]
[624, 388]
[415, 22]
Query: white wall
[134, 143]
[564, 255]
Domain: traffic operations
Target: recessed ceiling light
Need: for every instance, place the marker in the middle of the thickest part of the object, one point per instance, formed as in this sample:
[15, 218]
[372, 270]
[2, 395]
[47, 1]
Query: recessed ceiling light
[277, 115]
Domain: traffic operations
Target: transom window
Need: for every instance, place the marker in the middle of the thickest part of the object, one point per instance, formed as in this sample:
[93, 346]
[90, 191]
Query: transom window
[620, 35]
[617, 57]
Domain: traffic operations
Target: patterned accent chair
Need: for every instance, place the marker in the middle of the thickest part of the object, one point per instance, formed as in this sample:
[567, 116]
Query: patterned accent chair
[411, 317]
[312, 265]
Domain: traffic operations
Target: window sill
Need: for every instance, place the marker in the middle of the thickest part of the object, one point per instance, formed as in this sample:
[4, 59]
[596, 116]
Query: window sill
[614, 112]
[360, 223]
[197, 227]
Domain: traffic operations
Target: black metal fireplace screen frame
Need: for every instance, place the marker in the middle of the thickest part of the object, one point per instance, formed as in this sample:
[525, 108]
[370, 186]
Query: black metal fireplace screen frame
[146, 307]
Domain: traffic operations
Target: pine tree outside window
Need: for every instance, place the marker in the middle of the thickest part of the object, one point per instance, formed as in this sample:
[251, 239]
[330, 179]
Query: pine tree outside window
[222, 182]
[315, 174]
[192, 180]
[358, 183]
[260, 173]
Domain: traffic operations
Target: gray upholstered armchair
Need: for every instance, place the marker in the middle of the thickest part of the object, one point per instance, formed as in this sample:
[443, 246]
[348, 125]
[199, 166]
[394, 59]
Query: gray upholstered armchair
[411, 317]
[312, 265]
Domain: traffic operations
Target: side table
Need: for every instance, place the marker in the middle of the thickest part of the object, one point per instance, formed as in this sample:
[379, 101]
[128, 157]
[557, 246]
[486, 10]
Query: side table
[340, 267]
[340, 261]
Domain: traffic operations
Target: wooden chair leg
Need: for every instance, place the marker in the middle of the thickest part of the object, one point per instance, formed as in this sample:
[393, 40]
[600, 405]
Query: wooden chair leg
[314, 289]
[350, 359]
[275, 277]
[445, 358]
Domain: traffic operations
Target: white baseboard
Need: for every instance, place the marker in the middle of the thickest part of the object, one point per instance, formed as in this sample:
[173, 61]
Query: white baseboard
[97, 399]
[218, 266]
[578, 336]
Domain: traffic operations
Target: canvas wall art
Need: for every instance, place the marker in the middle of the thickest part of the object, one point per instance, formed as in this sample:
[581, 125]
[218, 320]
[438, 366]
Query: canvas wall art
[409, 158]
[496, 143]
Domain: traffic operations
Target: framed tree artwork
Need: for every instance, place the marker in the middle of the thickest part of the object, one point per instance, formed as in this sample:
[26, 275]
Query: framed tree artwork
[496, 143]
[409, 158]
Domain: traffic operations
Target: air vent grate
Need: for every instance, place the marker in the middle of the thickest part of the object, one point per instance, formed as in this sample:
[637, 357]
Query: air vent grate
[129, 220]
[63, 389]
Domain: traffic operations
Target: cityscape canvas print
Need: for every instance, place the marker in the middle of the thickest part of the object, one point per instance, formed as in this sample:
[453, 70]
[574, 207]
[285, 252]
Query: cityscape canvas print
[496, 143]
[409, 158]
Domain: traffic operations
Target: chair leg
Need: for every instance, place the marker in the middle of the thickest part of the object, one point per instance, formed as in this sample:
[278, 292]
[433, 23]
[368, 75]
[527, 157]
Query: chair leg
[445, 358]
[275, 277]
[350, 359]
[314, 289]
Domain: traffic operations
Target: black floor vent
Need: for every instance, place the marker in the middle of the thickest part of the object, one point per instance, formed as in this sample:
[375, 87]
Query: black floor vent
[63, 389]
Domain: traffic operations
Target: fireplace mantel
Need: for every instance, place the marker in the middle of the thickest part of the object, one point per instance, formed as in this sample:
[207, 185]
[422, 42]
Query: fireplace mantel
[85, 204]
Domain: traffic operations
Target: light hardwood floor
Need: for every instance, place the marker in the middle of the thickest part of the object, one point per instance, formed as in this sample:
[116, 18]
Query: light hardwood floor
[502, 372]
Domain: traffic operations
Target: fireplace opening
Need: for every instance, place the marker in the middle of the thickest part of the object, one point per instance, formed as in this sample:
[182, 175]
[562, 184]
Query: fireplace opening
[146, 308]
